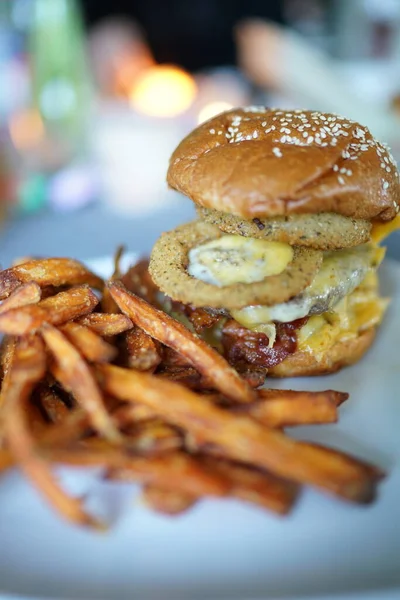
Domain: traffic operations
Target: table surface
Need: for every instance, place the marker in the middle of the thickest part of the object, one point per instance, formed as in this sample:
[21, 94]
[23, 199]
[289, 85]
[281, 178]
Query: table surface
[96, 231]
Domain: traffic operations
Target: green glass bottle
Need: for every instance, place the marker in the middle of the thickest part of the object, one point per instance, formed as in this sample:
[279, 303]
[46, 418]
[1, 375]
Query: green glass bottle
[61, 88]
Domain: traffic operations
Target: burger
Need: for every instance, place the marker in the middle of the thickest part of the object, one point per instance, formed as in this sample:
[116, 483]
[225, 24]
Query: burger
[279, 270]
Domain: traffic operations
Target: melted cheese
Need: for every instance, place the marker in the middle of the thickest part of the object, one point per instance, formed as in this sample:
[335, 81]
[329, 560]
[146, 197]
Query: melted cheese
[380, 231]
[235, 259]
[357, 312]
[341, 272]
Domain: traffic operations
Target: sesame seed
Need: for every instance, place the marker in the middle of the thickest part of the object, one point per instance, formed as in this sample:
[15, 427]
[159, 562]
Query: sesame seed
[277, 152]
[310, 139]
[388, 169]
[212, 130]
[341, 180]
[335, 168]
[385, 185]
[255, 134]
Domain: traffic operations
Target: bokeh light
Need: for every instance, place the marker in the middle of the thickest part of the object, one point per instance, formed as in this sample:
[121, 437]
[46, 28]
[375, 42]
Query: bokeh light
[163, 91]
[211, 109]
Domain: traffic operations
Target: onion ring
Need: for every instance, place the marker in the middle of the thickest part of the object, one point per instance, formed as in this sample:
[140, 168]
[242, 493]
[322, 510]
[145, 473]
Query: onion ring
[169, 260]
[322, 231]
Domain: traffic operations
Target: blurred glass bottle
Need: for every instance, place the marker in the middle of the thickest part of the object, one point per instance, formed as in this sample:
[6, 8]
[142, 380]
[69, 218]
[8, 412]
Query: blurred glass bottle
[61, 91]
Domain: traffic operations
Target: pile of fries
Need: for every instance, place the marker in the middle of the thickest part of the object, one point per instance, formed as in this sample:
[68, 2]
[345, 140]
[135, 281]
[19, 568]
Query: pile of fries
[95, 373]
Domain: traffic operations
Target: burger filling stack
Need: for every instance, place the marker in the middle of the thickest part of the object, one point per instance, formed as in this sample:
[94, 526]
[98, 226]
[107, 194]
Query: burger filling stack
[279, 270]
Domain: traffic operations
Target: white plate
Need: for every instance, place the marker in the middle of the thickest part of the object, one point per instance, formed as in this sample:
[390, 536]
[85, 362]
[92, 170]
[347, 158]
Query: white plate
[223, 549]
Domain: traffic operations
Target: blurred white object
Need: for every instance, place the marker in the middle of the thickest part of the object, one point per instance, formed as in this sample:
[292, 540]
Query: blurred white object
[219, 90]
[281, 60]
[132, 152]
[367, 28]
[213, 108]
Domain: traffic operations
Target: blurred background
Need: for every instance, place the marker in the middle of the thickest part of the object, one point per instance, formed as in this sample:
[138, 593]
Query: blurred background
[95, 94]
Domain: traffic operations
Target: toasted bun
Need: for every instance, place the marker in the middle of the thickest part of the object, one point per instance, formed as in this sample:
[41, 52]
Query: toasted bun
[258, 162]
[339, 355]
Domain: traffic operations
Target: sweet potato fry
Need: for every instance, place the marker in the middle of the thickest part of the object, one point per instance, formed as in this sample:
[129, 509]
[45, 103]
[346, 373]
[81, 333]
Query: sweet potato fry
[62, 307]
[171, 358]
[72, 428]
[28, 367]
[108, 305]
[285, 408]
[242, 438]
[137, 280]
[173, 471]
[28, 293]
[52, 405]
[6, 353]
[170, 332]
[187, 376]
[152, 437]
[47, 271]
[167, 502]
[143, 353]
[106, 325]
[97, 454]
[89, 343]
[130, 414]
[255, 486]
[75, 376]
[6, 460]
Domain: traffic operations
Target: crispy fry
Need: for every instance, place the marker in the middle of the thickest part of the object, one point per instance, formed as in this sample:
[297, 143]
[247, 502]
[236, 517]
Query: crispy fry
[258, 487]
[28, 367]
[167, 502]
[285, 408]
[7, 354]
[67, 305]
[47, 271]
[35, 417]
[52, 404]
[106, 325]
[28, 293]
[75, 376]
[137, 280]
[98, 454]
[108, 305]
[171, 358]
[7, 349]
[129, 414]
[144, 353]
[71, 429]
[173, 471]
[243, 439]
[175, 335]
[153, 437]
[89, 343]
[187, 376]
[6, 460]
